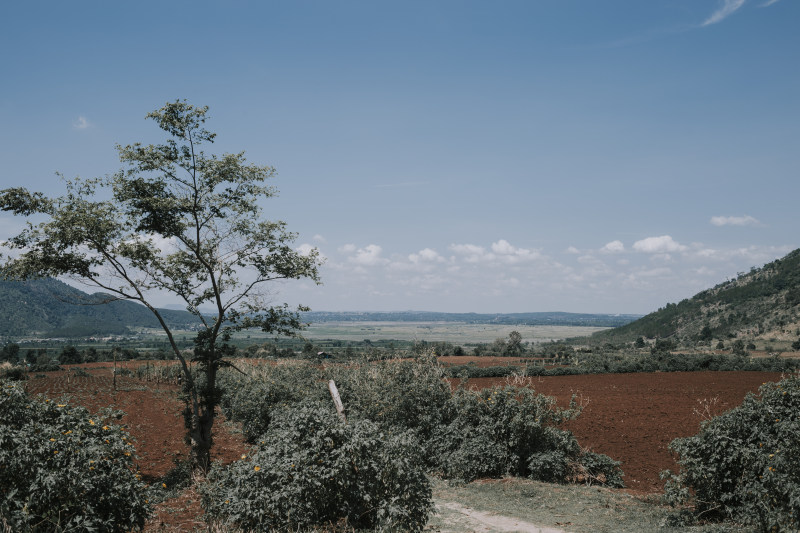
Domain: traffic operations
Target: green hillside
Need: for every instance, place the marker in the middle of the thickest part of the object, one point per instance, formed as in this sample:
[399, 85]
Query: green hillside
[761, 304]
[50, 308]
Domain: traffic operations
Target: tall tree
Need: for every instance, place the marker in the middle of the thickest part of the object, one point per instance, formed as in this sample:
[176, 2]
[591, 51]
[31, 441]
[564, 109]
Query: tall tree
[173, 219]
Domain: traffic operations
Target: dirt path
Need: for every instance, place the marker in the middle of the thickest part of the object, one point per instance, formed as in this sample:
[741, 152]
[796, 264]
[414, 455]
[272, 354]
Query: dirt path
[460, 519]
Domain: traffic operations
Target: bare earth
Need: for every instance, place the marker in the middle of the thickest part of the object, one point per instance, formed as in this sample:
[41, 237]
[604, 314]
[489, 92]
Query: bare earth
[630, 417]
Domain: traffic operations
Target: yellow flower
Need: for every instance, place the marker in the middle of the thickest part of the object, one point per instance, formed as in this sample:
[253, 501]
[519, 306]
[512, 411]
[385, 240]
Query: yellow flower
[105, 427]
[52, 440]
[244, 456]
[164, 485]
[55, 452]
[91, 421]
[256, 468]
[62, 405]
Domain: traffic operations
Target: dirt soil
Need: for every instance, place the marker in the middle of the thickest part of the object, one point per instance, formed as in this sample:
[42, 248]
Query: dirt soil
[633, 417]
[153, 416]
[630, 417]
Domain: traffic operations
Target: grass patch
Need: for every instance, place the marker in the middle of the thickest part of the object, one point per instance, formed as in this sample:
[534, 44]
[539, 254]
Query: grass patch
[574, 508]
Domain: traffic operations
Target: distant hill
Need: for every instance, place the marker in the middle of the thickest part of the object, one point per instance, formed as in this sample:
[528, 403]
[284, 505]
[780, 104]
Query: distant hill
[50, 308]
[761, 304]
[529, 319]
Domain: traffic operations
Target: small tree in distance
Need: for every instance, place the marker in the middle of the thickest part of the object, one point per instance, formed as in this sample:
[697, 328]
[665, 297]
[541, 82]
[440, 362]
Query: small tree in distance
[178, 220]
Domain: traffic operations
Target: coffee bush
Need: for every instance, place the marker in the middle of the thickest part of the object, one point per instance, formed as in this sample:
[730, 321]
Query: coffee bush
[310, 469]
[515, 431]
[64, 469]
[745, 464]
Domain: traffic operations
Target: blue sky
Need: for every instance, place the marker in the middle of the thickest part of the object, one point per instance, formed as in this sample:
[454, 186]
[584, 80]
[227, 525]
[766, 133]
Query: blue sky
[540, 155]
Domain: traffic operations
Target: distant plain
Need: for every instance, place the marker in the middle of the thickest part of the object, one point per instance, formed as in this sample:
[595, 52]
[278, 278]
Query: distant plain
[453, 332]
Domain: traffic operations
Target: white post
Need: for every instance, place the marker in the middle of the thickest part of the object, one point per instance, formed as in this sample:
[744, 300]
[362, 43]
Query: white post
[337, 401]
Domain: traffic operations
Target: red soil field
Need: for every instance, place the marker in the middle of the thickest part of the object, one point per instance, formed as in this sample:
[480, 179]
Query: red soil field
[633, 417]
[630, 417]
[153, 416]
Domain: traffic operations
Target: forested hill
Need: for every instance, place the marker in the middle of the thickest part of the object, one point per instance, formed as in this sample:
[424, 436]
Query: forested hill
[763, 303]
[531, 319]
[50, 308]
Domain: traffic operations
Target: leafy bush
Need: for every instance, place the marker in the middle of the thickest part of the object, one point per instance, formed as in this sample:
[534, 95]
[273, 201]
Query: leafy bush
[13, 372]
[63, 469]
[397, 395]
[250, 399]
[514, 430]
[310, 469]
[745, 464]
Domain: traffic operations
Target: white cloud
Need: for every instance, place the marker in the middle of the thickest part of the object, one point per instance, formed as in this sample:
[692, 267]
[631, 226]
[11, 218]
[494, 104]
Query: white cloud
[511, 254]
[501, 251]
[81, 123]
[769, 3]
[347, 249]
[305, 249]
[319, 238]
[658, 245]
[370, 255]
[727, 8]
[471, 252]
[613, 247]
[573, 250]
[746, 220]
[426, 256]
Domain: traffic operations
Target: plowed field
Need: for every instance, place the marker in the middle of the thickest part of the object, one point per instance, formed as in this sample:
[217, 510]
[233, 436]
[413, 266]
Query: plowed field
[633, 417]
[630, 417]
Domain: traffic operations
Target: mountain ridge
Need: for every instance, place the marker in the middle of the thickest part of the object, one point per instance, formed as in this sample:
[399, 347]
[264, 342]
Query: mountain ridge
[761, 304]
[50, 308]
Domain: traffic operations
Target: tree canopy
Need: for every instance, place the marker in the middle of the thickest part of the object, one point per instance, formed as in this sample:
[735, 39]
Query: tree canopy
[174, 219]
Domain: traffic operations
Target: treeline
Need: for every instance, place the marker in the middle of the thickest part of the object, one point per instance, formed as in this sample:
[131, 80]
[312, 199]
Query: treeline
[44, 359]
[619, 363]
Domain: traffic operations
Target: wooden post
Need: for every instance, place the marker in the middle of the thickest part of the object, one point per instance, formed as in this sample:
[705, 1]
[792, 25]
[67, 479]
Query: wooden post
[337, 401]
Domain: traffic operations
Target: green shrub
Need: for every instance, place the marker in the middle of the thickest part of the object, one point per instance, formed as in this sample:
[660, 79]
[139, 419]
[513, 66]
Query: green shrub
[13, 372]
[310, 469]
[397, 395]
[251, 398]
[745, 464]
[514, 431]
[63, 469]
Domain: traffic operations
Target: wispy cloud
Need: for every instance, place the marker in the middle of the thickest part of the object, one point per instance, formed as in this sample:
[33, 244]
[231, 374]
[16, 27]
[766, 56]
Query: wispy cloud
[769, 3]
[727, 8]
[746, 220]
[81, 123]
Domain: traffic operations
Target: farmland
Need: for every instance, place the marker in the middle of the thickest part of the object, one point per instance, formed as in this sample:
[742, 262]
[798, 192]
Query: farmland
[630, 417]
[456, 333]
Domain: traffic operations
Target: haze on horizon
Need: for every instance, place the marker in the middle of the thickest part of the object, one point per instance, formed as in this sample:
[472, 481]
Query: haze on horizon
[451, 156]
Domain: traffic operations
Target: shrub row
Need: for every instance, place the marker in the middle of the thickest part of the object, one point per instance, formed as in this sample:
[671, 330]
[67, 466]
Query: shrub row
[403, 420]
[632, 363]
